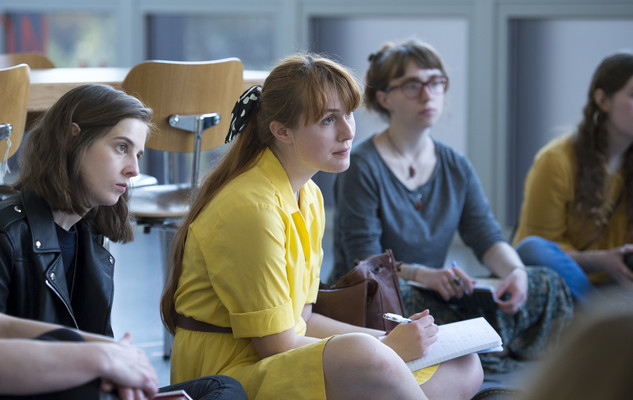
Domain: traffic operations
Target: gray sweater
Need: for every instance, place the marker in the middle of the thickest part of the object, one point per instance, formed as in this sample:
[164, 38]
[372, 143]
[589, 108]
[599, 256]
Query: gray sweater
[375, 211]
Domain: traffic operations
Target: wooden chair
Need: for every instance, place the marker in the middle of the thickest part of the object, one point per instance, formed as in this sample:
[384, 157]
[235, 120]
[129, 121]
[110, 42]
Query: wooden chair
[192, 103]
[14, 86]
[33, 60]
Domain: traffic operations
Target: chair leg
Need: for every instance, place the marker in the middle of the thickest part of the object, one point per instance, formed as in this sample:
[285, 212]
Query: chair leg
[168, 340]
[167, 233]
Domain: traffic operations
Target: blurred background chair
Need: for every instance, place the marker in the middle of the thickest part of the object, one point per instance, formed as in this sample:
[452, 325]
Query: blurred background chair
[14, 86]
[33, 60]
[192, 103]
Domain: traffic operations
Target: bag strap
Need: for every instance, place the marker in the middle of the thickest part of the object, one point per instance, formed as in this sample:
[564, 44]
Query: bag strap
[192, 324]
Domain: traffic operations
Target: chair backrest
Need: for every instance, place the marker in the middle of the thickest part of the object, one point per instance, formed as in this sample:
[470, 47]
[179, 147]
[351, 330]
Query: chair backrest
[14, 86]
[185, 88]
[33, 60]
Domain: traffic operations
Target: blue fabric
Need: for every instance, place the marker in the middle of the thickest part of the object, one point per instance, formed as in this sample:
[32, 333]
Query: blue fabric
[535, 250]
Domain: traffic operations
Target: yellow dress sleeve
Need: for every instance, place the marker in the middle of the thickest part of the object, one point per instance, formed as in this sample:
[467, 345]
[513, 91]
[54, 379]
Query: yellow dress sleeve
[246, 264]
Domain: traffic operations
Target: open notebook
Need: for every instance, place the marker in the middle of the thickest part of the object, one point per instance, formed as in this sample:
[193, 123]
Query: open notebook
[457, 339]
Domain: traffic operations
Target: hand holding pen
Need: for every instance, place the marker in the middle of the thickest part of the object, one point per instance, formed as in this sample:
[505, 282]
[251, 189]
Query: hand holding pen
[396, 318]
[413, 336]
[454, 282]
[462, 279]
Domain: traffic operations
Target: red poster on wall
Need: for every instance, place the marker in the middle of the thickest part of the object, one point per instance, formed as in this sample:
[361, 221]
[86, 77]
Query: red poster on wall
[25, 32]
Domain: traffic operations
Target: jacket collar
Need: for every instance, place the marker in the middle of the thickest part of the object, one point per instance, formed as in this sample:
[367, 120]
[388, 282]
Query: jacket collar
[41, 223]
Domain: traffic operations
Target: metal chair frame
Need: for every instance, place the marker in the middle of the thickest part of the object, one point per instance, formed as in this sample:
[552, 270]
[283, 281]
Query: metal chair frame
[196, 97]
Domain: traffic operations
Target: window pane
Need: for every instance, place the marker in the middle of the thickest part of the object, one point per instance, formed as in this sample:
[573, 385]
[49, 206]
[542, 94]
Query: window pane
[196, 38]
[69, 39]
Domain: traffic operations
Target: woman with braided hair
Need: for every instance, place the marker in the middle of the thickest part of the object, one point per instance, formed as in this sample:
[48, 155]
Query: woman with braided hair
[578, 194]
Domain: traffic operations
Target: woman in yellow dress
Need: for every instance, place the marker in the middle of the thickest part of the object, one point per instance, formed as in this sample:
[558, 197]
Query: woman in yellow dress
[246, 260]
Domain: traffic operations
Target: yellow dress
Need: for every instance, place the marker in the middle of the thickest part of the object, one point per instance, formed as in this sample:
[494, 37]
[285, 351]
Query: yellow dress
[252, 261]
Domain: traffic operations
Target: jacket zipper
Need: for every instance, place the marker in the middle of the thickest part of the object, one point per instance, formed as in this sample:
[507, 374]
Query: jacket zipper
[63, 301]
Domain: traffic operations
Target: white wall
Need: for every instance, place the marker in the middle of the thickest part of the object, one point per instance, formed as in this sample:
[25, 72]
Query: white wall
[558, 43]
[352, 40]
[554, 63]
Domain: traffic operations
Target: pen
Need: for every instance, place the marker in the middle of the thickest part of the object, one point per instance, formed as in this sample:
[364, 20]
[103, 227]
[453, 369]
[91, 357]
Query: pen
[396, 318]
[456, 280]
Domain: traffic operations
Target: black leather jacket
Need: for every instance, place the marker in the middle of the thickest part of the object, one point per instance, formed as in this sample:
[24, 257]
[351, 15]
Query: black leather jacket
[32, 279]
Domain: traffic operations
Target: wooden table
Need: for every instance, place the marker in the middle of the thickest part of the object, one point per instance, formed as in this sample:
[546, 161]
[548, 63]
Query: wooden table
[48, 85]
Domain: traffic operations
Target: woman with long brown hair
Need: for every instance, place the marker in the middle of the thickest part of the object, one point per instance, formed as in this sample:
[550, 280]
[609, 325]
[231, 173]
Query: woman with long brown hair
[247, 260]
[578, 194]
[76, 167]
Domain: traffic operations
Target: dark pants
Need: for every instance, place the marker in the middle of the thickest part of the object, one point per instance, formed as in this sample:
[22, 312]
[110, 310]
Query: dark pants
[89, 391]
[214, 387]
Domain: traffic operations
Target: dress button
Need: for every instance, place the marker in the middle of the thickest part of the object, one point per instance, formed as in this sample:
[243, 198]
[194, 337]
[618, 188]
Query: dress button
[111, 260]
[52, 276]
[38, 244]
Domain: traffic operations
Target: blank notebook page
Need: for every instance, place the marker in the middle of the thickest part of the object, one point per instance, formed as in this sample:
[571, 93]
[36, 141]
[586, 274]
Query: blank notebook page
[457, 339]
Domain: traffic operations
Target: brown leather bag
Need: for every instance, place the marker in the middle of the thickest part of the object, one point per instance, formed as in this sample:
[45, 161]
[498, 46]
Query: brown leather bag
[364, 294]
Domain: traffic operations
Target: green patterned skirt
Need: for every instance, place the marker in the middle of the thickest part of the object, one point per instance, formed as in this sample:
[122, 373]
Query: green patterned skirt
[535, 328]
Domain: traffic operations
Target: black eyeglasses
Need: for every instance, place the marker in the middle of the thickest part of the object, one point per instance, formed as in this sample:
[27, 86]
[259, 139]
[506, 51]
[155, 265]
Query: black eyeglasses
[412, 88]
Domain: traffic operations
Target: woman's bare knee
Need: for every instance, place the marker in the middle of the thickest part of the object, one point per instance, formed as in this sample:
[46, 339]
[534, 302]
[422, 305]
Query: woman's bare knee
[359, 365]
[357, 350]
[459, 378]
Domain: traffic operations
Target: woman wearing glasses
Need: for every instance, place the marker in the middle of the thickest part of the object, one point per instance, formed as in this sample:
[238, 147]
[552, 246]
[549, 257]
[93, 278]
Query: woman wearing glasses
[407, 191]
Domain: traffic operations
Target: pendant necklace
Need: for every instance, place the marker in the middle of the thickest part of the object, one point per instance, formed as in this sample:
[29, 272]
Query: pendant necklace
[410, 169]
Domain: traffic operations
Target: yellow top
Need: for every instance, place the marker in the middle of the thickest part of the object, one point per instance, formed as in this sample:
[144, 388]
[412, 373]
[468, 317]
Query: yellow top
[252, 261]
[548, 209]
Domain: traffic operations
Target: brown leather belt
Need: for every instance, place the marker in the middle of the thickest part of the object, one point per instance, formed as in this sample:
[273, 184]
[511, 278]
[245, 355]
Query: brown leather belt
[199, 326]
